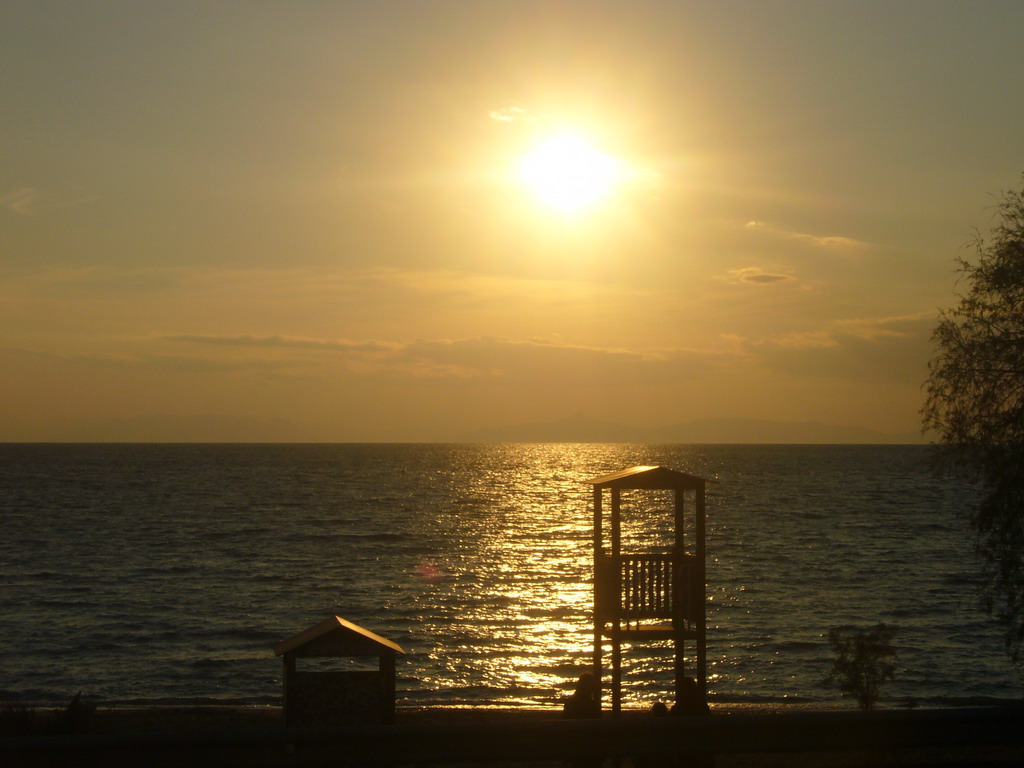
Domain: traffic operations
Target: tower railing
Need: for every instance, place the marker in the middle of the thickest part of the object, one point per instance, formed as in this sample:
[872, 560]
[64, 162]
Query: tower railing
[635, 587]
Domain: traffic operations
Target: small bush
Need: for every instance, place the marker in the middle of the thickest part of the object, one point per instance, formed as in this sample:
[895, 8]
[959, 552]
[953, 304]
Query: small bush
[864, 661]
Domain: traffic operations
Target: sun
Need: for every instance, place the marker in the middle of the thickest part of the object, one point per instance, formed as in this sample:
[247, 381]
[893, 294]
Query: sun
[568, 174]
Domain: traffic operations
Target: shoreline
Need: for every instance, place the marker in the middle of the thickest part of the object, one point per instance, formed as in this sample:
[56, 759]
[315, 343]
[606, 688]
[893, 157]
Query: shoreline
[207, 716]
[200, 712]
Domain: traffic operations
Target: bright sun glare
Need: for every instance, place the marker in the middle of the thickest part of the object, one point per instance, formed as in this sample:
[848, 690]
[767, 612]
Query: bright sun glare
[568, 174]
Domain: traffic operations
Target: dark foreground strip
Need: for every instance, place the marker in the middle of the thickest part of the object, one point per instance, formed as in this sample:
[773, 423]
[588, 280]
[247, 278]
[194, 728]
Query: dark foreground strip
[518, 741]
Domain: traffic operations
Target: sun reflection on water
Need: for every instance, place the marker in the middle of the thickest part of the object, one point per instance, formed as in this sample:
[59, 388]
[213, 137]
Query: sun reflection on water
[513, 591]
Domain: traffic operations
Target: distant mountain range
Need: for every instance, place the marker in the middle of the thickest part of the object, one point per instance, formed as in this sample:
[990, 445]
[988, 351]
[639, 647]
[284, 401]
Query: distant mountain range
[581, 429]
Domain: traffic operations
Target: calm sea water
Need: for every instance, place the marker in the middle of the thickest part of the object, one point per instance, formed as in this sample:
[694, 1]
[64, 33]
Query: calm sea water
[166, 573]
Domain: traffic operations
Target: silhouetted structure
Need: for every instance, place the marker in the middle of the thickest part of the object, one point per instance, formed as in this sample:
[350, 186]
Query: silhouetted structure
[650, 597]
[338, 697]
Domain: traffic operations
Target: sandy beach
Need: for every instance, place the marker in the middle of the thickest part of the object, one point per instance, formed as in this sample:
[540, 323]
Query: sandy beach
[211, 734]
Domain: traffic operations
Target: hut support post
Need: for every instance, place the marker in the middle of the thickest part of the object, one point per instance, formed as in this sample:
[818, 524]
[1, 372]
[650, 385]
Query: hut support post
[387, 680]
[288, 662]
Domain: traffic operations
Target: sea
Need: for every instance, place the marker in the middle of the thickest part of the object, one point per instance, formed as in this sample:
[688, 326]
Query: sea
[166, 573]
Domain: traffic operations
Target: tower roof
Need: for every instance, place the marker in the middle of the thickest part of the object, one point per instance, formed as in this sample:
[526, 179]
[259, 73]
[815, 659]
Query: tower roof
[651, 478]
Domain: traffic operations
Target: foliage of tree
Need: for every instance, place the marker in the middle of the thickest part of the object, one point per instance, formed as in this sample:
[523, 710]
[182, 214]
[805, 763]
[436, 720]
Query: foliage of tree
[975, 404]
[864, 661]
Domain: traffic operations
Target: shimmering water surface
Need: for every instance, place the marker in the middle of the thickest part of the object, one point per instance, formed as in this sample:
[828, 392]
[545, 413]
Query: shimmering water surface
[167, 572]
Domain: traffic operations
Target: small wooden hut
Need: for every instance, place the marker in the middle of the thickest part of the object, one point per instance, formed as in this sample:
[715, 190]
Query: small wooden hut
[338, 697]
[652, 596]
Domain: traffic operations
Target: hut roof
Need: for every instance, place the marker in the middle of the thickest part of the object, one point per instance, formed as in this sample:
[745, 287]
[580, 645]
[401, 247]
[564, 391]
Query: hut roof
[649, 478]
[336, 637]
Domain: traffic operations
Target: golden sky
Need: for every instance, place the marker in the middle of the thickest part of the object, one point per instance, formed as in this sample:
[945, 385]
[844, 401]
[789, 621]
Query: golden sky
[350, 220]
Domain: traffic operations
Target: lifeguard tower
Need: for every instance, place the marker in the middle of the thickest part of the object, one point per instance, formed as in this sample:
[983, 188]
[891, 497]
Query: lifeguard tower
[652, 597]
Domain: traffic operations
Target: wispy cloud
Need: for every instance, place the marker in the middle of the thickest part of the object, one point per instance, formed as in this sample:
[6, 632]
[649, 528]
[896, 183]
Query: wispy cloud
[757, 276]
[489, 358]
[892, 348]
[22, 201]
[858, 348]
[284, 342]
[28, 201]
[510, 113]
[820, 241]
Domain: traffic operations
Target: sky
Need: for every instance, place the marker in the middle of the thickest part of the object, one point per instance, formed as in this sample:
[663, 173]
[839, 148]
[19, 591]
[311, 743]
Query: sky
[311, 221]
